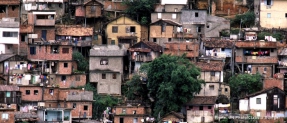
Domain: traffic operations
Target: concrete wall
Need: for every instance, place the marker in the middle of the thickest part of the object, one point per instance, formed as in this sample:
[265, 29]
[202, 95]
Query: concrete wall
[206, 76]
[71, 81]
[155, 32]
[165, 15]
[9, 40]
[277, 11]
[108, 85]
[243, 105]
[195, 115]
[254, 106]
[207, 90]
[122, 23]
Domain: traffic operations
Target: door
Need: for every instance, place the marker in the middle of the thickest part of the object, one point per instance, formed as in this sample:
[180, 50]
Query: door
[121, 120]
[44, 34]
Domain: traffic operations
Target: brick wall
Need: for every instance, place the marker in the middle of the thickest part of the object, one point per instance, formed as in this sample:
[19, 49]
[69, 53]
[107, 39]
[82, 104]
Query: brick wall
[10, 117]
[272, 82]
[31, 96]
[51, 96]
[13, 11]
[50, 32]
[97, 12]
[129, 110]
[65, 67]
[45, 52]
[71, 80]
[127, 119]
[80, 108]
[260, 68]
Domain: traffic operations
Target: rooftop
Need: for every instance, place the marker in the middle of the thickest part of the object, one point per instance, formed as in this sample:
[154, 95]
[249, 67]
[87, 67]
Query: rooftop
[108, 50]
[202, 100]
[146, 46]
[74, 31]
[9, 88]
[265, 90]
[211, 66]
[214, 43]
[255, 44]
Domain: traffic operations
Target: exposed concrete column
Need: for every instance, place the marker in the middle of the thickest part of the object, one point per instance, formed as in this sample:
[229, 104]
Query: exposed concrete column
[242, 68]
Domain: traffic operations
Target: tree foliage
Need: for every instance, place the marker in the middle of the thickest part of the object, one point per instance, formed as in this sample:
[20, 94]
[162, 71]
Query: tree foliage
[136, 89]
[81, 61]
[245, 83]
[140, 10]
[172, 81]
[247, 19]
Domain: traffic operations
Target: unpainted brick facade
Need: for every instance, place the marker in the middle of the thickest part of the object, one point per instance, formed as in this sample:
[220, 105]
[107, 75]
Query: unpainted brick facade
[28, 93]
[272, 82]
[44, 52]
[128, 113]
[13, 11]
[50, 35]
[10, 116]
[73, 80]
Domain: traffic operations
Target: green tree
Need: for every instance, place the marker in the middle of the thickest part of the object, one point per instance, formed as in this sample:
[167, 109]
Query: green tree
[136, 89]
[140, 10]
[172, 81]
[247, 19]
[81, 61]
[246, 83]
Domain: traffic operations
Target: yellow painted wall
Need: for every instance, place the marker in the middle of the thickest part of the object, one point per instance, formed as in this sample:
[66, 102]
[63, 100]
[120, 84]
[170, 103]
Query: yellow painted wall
[155, 32]
[122, 23]
[277, 10]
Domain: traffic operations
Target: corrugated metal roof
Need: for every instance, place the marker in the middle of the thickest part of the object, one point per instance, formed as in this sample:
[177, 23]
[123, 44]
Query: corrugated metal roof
[4, 57]
[9, 88]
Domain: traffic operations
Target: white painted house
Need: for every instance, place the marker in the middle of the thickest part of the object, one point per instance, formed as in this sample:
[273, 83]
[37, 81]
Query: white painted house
[9, 34]
[267, 102]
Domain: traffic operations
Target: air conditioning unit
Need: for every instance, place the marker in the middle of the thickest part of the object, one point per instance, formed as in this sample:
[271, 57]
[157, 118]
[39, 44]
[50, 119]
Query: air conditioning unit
[117, 0]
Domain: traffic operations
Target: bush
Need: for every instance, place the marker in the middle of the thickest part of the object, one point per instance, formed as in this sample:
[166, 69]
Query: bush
[261, 36]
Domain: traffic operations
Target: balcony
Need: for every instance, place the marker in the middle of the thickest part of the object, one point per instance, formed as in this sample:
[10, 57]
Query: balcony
[44, 22]
[141, 58]
[183, 35]
[256, 59]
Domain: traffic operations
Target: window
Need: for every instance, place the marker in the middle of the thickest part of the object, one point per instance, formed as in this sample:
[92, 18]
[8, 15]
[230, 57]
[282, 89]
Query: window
[173, 16]
[134, 112]
[60, 5]
[163, 27]
[114, 76]
[190, 107]
[10, 34]
[258, 100]
[154, 39]
[85, 107]
[196, 14]
[158, 15]
[65, 65]
[5, 116]
[51, 91]
[65, 50]
[23, 38]
[103, 76]
[275, 99]
[78, 78]
[104, 62]
[113, 42]
[74, 105]
[132, 29]
[63, 78]
[285, 15]
[123, 111]
[209, 107]
[93, 9]
[226, 89]
[212, 73]
[222, 49]
[32, 50]
[200, 107]
[115, 29]
[198, 29]
[271, 50]
[268, 15]
[175, 9]
[207, 26]
[27, 92]
[8, 94]
[169, 39]
[268, 2]
[54, 49]
[35, 92]
[211, 87]
[135, 120]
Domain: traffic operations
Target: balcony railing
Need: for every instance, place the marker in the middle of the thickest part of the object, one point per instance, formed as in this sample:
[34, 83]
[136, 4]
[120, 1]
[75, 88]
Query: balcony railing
[256, 59]
[44, 22]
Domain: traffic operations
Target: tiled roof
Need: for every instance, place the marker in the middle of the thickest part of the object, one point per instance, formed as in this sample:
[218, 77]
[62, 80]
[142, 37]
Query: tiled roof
[211, 66]
[4, 57]
[167, 21]
[255, 44]
[147, 48]
[263, 91]
[74, 31]
[202, 100]
[218, 43]
[9, 88]
[178, 48]
[178, 115]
